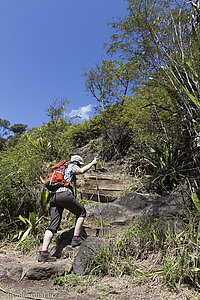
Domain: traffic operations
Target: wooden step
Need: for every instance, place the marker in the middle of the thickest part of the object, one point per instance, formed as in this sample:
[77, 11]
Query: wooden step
[107, 196]
[110, 187]
[104, 185]
[100, 176]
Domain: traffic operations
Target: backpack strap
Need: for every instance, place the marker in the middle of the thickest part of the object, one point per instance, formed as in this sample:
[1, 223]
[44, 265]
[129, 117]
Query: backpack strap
[75, 188]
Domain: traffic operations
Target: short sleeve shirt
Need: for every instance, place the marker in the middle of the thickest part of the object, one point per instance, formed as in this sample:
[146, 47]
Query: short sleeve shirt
[70, 175]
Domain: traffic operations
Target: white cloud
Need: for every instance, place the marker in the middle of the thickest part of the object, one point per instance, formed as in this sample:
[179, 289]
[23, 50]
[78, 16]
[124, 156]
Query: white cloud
[83, 112]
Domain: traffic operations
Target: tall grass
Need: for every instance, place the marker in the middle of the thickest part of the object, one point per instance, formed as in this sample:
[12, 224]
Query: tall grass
[175, 240]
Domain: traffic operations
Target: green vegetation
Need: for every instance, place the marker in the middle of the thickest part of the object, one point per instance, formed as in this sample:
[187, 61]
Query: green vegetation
[148, 115]
[73, 280]
[176, 243]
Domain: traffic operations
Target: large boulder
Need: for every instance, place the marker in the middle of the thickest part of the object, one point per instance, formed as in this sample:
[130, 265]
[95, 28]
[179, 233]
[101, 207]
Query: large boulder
[153, 206]
[89, 248]
[20, 267]
[136, 202]
[65, 239]
[167, 206]
[134, 205]
[42, 271]
[112, 214]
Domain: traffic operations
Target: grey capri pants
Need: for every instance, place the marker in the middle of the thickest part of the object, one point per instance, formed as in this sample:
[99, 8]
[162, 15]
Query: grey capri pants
[59, 201]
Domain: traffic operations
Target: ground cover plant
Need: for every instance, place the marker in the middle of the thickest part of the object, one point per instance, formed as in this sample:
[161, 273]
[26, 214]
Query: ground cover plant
[175, 241]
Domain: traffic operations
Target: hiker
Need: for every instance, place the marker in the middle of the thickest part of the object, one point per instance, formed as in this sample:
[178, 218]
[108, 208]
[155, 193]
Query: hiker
[63, 197]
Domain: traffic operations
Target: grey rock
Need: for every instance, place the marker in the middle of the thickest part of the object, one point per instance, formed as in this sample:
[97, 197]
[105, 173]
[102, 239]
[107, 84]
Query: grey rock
[14, 272]
[65, 240]
[137, 206]
[167, 206]
[45, 271]
[112, 214]
[152, 206]
[115, 214]
[135, 202]
[88, 249]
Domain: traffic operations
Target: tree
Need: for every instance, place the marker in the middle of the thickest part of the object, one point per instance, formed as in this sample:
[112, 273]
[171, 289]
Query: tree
[161, 39]
[99, 82]
[4, 127]
[56, 109]
[110, 81]
[18, 128]
[160, 36]
[57, 125]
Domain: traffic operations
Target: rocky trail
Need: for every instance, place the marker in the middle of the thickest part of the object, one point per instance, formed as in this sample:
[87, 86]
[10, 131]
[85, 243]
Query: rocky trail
[22, 277]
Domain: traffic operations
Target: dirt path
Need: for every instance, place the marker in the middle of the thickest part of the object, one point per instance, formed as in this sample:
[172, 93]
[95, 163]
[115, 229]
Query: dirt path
[104, 288]
[124, 288]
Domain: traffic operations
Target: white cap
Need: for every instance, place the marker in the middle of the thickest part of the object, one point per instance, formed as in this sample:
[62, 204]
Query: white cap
[77, 158]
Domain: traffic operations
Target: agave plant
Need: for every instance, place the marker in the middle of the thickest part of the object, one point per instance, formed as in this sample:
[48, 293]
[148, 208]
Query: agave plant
[43, 199]
[196, 202]
[31, 225]
[166, 164]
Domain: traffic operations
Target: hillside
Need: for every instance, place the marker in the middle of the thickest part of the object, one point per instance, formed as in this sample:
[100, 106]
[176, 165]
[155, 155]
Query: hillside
[23, 276]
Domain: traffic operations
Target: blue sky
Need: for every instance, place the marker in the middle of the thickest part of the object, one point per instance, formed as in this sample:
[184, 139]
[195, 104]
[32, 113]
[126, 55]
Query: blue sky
[44, 46]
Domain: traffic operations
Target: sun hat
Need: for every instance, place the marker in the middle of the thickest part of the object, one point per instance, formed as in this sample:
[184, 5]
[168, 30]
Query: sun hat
[77, 158]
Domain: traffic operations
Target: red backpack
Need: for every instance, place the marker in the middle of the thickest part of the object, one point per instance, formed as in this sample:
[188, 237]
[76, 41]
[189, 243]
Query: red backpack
[55, 179]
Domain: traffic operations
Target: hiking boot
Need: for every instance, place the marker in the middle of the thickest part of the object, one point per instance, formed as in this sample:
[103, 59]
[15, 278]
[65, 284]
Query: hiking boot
[46, 257]
[76, 242]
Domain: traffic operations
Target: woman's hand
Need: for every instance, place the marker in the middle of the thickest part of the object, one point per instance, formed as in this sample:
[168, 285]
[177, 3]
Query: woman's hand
[86, 167]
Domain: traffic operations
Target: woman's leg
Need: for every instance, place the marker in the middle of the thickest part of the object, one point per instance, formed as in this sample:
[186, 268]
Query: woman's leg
[67, 200]
[78, 226]
[56, 215]
[47, 239]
